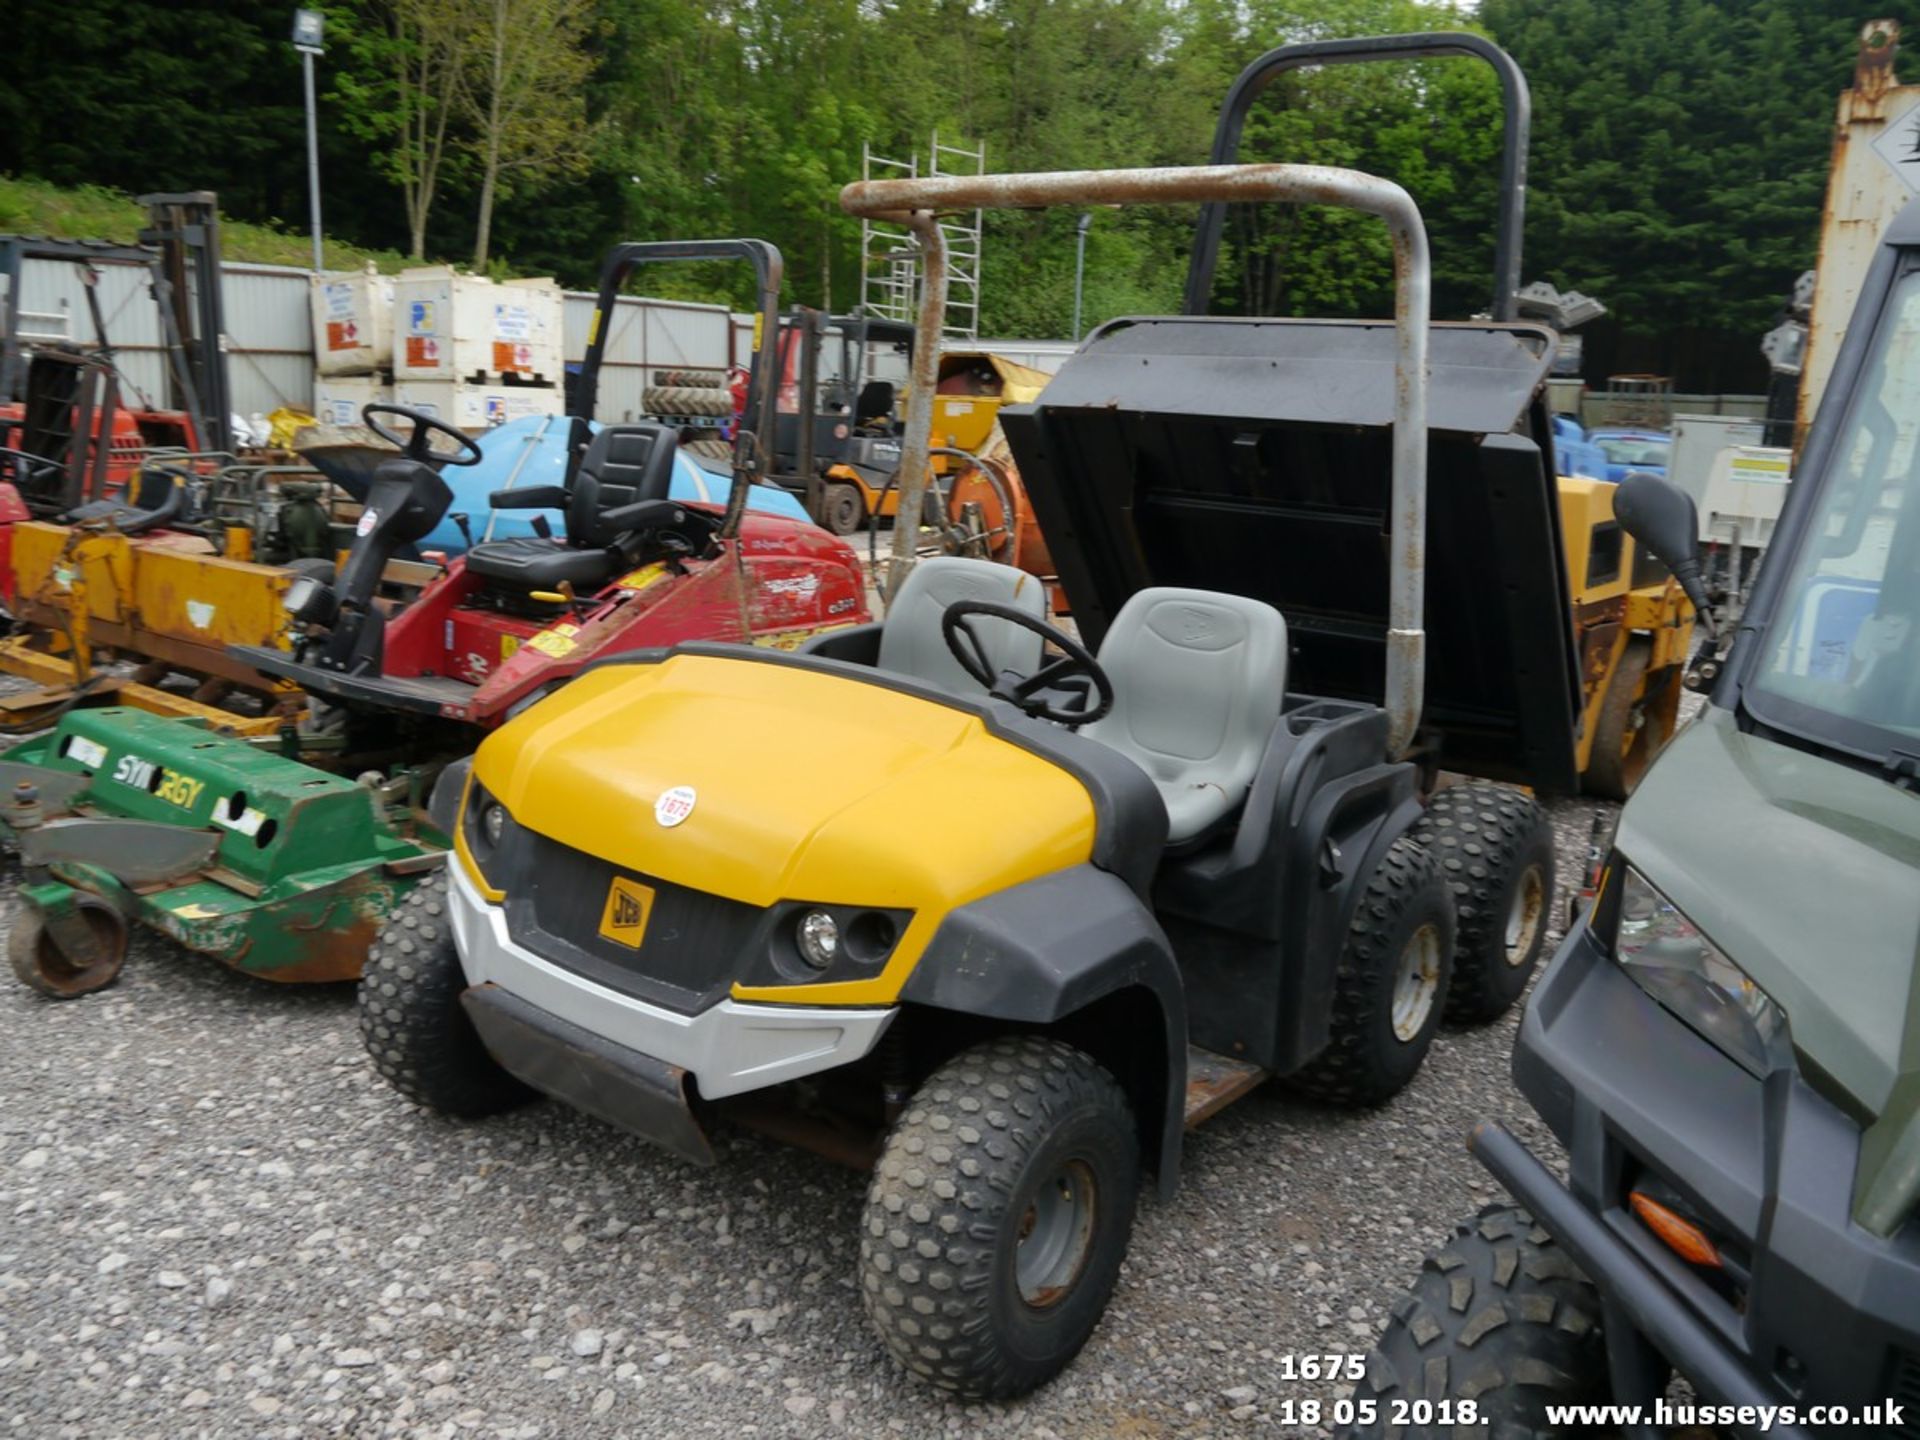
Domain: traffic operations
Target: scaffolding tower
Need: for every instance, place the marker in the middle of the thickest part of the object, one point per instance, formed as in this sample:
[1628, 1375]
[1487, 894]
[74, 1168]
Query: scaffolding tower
[889, 263]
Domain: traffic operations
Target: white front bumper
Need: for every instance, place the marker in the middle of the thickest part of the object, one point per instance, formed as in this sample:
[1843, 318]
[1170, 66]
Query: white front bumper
[729, 1048]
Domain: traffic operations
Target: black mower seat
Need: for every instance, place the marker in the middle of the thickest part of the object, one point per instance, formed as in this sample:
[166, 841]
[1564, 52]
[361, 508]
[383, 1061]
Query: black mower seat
[622, 481]
[528, 562]
[160, 500]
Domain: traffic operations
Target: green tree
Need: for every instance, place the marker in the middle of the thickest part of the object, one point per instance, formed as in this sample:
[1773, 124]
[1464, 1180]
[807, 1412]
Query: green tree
[522, 90]
[1679, 163]
[400, 90]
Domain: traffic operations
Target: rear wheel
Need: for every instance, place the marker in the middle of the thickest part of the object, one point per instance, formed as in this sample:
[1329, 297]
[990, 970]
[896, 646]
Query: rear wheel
[845, 509]
[88, 959]
[998, 1216]
[1391, 985]
[1500, 1317]
[411, 1018]
[1495, 848]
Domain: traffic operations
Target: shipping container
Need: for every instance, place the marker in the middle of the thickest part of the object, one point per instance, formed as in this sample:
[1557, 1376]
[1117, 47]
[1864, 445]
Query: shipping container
[269, 341]
[476, 407]
[645, 339]
[448, 326]
[352, 322]
[269, 338]
[337, 398]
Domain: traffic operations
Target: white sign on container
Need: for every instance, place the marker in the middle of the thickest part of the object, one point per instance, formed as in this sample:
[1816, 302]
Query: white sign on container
[466, 327]
[476, 407]
[352, 323]
[337, 399]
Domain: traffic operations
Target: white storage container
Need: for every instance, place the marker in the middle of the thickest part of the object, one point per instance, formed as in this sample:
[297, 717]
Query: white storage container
[471, 406]
[352, 322]
[337, 398]
[449, 326]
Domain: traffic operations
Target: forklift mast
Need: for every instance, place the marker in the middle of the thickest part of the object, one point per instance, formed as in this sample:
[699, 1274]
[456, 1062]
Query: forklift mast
[185, 231]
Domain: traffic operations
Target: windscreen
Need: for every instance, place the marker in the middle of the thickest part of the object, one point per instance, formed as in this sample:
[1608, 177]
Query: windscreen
[1842, 661]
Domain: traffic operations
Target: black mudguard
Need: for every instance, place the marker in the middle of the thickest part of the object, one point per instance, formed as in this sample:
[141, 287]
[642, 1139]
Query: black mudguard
[1260, 920]
[1076, 943]
[443, 805]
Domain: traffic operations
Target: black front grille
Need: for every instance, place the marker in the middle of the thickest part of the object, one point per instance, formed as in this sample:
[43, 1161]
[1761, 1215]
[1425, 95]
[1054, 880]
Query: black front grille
[694, 947]
[1903, 1389]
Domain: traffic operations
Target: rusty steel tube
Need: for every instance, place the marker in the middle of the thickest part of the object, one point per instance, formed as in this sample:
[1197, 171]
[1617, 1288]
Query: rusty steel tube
[916, 451]
[914, 201]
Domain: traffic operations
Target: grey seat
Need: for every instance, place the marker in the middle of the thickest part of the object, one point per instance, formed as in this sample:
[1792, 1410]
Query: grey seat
[911, 642]
[1198, 681]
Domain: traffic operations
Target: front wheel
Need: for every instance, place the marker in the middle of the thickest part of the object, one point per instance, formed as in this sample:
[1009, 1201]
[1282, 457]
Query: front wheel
[998, 1216]
[411, 1018]
[1500, 1319]
[88, 958]
[845, 508]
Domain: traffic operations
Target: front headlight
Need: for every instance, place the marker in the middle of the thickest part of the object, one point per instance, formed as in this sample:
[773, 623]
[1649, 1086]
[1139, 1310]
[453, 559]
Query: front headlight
[1668, 957]
[819, 938]
[485, 825]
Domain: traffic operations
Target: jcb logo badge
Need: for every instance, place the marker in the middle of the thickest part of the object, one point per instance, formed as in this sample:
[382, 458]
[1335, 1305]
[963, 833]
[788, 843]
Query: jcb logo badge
[629, 903]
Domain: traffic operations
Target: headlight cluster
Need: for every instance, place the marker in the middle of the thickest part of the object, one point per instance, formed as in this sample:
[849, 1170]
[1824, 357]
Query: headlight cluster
[485, 824]
[823, 936]
[1672, 961]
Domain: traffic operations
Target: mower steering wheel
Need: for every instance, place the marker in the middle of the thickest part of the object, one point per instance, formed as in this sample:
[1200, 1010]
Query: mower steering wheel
[415, 446]
[1094, 690]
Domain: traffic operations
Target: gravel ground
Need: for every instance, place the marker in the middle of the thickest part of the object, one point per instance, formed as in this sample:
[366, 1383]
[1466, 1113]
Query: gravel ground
[218, 1221]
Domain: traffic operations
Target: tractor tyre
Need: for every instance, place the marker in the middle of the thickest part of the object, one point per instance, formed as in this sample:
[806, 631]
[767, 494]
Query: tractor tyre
[998, 1216]
[845, 510]
[43, 963]
[411, 1018]
[1495, 847]
[1632, 727]
[1500, 1319]
[1391, 985]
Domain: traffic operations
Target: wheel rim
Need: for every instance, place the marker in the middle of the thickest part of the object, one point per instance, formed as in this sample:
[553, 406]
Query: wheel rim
[1056, 1235]
[1417, 983]
[1524, 915]
[70, 975]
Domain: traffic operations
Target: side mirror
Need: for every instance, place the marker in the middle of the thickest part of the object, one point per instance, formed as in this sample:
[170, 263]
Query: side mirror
[1660, 515]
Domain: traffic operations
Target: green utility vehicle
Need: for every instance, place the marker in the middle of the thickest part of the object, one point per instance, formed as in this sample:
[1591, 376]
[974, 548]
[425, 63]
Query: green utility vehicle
[1728, 1042]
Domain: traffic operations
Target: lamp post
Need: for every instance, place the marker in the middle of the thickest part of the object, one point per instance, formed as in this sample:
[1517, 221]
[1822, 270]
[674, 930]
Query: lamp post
[307, 25]
[1079, 267]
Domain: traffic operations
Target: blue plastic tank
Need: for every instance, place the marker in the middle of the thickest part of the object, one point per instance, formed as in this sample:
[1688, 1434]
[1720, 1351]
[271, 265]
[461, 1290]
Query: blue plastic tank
[533, 451]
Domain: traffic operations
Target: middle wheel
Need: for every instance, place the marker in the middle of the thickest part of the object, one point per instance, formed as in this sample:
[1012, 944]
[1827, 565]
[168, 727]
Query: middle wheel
[1391, 985]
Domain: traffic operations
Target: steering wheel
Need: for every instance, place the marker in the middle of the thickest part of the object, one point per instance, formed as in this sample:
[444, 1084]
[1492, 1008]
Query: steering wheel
[415, 446]
[1095, 690]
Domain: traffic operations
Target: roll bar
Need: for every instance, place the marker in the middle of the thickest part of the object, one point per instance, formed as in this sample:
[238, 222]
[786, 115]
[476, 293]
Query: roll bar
[917, 201]
[749, 454]
[1362, 50]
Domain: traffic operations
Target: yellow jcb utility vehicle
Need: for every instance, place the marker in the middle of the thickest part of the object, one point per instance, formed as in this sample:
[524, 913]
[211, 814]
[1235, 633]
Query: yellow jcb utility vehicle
[1004, 922]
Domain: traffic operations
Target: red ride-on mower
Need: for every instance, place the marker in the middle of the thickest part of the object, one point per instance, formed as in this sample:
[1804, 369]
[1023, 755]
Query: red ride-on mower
[636, 570]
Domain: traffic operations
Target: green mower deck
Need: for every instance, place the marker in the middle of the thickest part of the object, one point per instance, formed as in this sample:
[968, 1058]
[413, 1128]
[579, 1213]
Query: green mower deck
[268, 865]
